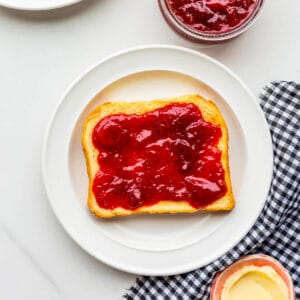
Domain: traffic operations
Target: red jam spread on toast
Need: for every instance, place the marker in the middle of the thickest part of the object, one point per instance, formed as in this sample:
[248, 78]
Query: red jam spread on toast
[166, 154]
[212, 16]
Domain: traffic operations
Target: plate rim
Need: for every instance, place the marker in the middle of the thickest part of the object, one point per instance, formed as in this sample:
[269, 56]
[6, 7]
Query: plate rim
[24, 7]
[140, 270]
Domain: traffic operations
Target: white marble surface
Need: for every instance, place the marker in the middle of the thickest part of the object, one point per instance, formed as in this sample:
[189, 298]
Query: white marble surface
[40, 54]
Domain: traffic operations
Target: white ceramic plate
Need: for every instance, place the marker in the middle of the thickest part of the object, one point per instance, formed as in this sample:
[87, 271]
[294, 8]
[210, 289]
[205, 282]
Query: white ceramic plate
[37, 4]
[157, 244]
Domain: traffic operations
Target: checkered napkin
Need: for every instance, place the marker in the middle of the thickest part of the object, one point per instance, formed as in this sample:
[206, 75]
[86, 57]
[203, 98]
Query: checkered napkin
[277, 230]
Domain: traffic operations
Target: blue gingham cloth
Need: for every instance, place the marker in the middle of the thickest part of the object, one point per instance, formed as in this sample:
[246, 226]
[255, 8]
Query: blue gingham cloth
[277, 230]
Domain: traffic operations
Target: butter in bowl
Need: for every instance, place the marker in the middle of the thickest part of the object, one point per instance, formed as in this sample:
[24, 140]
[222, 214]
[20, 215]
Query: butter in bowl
[257, 276]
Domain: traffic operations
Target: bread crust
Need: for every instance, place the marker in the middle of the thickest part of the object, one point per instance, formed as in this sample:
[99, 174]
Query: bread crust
[210, 114]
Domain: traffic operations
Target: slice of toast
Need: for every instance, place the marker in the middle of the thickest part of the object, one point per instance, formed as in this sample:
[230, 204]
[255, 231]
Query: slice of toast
[210, 113]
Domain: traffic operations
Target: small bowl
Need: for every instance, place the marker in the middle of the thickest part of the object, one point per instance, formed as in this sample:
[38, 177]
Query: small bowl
[207, 37]
[258, 260]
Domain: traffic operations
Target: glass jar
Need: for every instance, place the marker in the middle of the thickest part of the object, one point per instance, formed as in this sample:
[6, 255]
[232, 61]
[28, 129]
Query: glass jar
[191, 32]
[259, 260]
